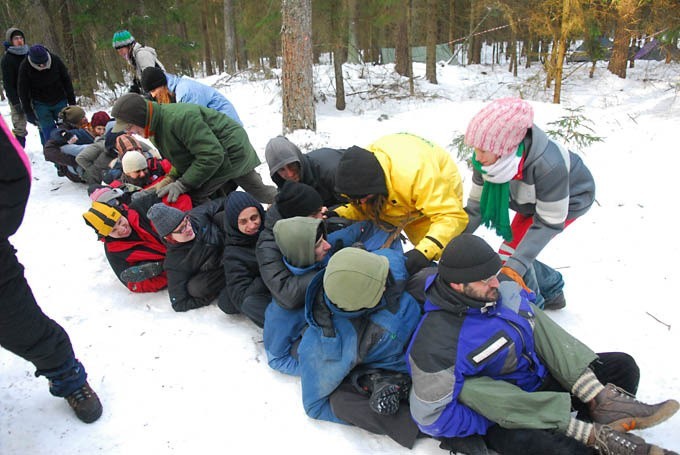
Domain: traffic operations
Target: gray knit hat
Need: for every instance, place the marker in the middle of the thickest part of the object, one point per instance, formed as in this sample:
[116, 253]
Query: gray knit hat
[296, 238]
[279, 152]
[468, 258]
[165, 219]
[355, 279]
[130, 108]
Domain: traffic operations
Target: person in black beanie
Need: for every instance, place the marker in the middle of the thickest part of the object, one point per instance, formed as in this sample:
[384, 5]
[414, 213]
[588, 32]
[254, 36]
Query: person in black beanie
[402, 181]
[299, 199]
[483, 348]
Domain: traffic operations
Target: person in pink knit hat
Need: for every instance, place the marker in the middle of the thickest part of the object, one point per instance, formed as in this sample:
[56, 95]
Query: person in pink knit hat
[516, 166]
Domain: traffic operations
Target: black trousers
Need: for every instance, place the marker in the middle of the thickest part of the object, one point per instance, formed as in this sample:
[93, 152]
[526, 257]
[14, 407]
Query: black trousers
[352, 407]
[24, 329]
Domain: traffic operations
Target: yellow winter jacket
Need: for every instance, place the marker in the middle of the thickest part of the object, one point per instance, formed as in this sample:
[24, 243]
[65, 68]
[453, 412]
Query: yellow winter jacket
[425, 192]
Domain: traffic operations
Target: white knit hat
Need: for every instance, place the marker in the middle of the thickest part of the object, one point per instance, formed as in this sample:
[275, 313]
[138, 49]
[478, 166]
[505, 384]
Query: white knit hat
[133, 161]
[500, 126]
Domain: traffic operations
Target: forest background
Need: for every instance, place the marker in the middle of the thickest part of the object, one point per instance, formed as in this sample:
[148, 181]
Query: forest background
[200, 38]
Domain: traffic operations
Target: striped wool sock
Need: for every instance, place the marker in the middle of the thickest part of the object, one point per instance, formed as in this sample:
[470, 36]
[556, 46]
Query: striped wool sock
[587, 386]
[579, 430]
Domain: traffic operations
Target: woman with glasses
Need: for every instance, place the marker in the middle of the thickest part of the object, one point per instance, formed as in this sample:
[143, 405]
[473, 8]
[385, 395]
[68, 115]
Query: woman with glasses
[195, 242]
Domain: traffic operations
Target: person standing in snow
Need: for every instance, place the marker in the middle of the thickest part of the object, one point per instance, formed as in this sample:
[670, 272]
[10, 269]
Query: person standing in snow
[138, 56]
[484, 356]
[516, 166]
[317, 168]
[167, 88]
[24, 329]
[404, 181]
[45, 88]
[15, 53]
[210, 153]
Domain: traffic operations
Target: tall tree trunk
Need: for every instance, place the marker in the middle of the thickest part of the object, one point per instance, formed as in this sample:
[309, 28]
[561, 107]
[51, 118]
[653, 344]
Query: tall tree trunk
[431, 38]
[185, 63]
[402, 57]
[297, 73]
[69, 44]
[230, 36]
[207, 52]
[339, 34]
[44, 22]
[625, 13]
[452, 29]
[561, 50]
[352, 40]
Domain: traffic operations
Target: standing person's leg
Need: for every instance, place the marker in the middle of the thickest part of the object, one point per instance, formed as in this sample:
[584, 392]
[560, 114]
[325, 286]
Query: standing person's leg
[45, 121]
[252, 183]
[27, 332]
[18, 124]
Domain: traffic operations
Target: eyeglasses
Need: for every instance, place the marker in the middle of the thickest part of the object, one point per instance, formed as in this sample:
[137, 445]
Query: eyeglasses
[486, 281]
[182, 226]
[353, 198]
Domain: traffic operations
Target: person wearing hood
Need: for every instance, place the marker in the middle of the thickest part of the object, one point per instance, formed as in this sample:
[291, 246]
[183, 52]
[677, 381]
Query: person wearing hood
[24, 329]
[45, 88]
[195, 242]
[359, 322]
[210, 153]
[138, 56]
[245, 292]
[485, 357]
[67, 142]
[317, 168]
[133, 248]
[167, 88]
[516, 166]
[403, 181]
[14, 55]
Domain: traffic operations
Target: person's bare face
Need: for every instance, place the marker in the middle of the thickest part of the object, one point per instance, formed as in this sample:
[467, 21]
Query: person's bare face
[121, 229]
[17, 40]
[249, 221]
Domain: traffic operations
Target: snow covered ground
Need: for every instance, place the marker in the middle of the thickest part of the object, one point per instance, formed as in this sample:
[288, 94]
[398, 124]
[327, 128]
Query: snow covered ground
[198, 382]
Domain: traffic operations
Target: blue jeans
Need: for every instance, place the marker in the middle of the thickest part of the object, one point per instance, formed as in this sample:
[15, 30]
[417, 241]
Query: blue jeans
[47, 115]
[545, 281]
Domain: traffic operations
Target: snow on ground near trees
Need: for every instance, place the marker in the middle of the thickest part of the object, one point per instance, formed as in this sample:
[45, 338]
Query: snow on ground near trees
[198, 382]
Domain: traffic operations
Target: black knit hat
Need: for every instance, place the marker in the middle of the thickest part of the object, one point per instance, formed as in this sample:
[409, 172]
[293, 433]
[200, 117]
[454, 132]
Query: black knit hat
[468, 258]
[237, 201]
[359, 173]
[129, 109]
[153, 77]
[297, 199]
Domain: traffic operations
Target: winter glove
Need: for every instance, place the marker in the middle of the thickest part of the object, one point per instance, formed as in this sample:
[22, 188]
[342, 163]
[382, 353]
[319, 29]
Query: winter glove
[161, 183]
[469, 445]
[135, 88]
[509, 274]
[31, 118]
[138, 195]
[415, 260]
[173, 190]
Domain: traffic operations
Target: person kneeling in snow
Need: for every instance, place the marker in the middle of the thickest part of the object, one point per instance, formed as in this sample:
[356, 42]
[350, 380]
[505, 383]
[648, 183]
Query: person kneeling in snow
[195, 243]
[134, 250]
[485, 359]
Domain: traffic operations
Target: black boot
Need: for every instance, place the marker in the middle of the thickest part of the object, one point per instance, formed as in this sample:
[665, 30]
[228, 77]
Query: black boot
[22, 141]
[137, 273]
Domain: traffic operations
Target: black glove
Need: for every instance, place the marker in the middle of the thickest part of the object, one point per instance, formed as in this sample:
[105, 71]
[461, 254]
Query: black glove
[469, 445]
[67, 137]
[31, 118]
[135, 88]
[415, 261]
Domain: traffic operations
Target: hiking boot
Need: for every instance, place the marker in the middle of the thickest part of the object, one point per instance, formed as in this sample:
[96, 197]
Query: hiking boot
[85, 402]
[387, 390]
[141, 272]
[620, 410]
[555, 303]
[610, 442]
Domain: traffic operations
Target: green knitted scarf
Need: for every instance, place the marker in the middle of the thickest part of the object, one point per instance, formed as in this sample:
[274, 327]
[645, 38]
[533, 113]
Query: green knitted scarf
[495, 201]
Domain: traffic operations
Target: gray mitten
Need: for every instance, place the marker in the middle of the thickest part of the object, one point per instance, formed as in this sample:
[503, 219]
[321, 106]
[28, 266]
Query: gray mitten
[173, 190]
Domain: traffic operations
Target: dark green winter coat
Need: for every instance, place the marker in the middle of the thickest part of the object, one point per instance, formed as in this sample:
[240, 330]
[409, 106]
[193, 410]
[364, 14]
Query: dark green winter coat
[201, 143]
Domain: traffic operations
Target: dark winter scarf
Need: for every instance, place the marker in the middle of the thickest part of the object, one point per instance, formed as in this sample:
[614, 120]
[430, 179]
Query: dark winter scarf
[495, 200]
[18, 50]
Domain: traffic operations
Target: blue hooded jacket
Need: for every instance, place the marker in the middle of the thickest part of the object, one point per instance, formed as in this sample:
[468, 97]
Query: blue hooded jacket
[190, 91]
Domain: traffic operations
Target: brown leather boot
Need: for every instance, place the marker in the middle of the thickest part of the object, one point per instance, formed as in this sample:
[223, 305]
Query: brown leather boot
[610, 442]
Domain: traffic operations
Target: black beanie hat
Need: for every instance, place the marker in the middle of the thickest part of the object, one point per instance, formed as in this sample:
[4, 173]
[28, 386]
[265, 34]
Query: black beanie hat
[359, 173]
[297, 199]
[468, 258]
[236, 202]
[153, 77]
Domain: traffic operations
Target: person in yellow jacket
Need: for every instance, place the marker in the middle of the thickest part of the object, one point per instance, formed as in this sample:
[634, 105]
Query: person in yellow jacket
[403, 181]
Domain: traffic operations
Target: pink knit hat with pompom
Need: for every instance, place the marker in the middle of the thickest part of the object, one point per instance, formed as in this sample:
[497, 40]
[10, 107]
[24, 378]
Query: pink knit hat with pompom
[500, 126]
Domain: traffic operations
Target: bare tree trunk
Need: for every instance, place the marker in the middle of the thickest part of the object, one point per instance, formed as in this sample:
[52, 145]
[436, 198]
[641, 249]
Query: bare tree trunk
[207, 52]
[452, 30]
[431, 38]
[44, 22]
[339, 34]
[352, 40]
[402, 54]
[625, 13]
[297, 72]
[230, 36]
